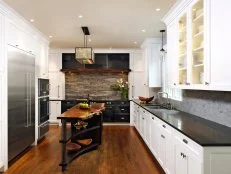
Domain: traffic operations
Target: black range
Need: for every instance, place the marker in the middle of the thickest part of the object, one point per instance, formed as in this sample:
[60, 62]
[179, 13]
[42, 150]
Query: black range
[202, 131]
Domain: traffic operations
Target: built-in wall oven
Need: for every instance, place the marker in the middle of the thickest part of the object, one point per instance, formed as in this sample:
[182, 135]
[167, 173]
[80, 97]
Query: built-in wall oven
[43, 110]
[43, 107]
[43, 87]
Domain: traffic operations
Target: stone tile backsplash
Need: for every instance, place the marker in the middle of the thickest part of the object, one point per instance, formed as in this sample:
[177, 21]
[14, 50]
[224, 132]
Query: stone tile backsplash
[97, 85]
[211, 105]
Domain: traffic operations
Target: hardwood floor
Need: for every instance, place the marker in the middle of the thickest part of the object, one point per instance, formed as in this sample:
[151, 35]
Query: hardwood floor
[121, 152]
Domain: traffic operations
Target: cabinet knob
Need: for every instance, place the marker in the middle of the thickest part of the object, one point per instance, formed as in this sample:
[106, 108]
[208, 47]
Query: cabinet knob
[164, 126]
[206, 83]
[187, 83]
[153, 118]
[185, 141]
[162, 136]
[174, 84]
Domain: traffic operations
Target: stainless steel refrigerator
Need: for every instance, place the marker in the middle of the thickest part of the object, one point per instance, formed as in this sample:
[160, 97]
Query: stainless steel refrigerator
[21, 101]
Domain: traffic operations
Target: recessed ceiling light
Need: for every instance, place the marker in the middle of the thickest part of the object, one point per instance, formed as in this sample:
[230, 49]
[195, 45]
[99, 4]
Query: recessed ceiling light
[135, 42]
[89, 40]
[50, 36]
[194, 9]
[32, 20]
[157, 9]
[143, 30]
[80, 16]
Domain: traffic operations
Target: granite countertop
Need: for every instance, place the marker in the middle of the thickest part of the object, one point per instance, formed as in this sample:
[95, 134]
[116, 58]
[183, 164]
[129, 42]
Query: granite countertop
[202, 131]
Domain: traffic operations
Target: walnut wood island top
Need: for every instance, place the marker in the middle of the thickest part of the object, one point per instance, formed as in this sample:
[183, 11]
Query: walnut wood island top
[77, 113]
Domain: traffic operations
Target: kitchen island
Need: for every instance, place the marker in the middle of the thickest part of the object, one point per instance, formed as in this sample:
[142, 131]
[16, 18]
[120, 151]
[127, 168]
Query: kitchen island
[86, 124]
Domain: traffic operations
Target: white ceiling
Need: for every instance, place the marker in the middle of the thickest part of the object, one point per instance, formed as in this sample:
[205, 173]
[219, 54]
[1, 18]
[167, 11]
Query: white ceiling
[112, 23]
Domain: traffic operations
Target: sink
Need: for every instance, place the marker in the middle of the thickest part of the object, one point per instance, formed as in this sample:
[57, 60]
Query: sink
[154, 107]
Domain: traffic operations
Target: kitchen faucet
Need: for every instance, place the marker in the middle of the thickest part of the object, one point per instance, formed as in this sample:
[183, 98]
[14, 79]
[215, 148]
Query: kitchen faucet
[167, 104]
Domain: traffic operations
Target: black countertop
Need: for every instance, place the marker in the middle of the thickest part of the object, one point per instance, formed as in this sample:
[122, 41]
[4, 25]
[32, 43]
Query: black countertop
[202, 131]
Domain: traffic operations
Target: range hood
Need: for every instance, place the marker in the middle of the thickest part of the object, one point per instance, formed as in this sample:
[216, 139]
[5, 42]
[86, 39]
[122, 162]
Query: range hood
[84, 55]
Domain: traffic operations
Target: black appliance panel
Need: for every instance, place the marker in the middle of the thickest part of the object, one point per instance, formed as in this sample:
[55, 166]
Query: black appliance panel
[43, 87]
[43, 110]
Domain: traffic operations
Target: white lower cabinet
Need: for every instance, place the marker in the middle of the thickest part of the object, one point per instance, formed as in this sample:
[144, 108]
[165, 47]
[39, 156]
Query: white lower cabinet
[154, 136]
[142, 122]
[147, 131]
[55, 111]
[175, 152]
[166, 148]
[186, 161]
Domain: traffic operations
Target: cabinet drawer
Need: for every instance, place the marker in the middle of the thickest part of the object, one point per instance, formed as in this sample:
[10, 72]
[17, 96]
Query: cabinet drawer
[190, 144]
[43, 129]
[123, 118]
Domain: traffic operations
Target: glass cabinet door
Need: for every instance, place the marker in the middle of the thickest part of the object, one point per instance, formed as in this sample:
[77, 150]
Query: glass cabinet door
[197, 25]
[182, 50]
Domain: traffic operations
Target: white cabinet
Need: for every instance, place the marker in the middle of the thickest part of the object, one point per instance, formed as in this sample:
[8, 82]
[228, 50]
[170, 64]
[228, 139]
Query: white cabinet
[154, 135]
[220, 40]
[147, 128]
[137, 61]
[142, 122]
[165, 151]
[186, 161]
[55, 111]
[136, 76]
[42, 59]
[55, 61]
[138, 88]
[198, 26]
[1, 42]
[171, 58]
[17, 37]
[57, 85]
[152, 59]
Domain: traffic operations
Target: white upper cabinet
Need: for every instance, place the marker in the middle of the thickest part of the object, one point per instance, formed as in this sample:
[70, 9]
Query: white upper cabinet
[137, 61]
[17, 37]
[42, 59]
[55, 61]
[151, 52]
[220, 44]
[195, 37]
[171, 58]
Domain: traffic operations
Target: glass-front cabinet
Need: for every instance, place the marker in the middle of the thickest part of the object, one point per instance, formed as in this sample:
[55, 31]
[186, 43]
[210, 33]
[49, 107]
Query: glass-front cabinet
[182, 50]
[197, 25]
[191, 58]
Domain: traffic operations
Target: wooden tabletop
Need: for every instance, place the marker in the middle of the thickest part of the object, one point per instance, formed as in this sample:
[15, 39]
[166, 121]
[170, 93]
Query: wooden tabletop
[76, 112]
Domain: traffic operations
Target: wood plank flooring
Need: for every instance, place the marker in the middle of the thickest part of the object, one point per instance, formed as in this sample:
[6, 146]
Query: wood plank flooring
[122, 152]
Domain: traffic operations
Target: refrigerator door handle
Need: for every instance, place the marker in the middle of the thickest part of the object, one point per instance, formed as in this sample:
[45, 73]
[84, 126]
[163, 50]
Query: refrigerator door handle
[27, 99]
[30, 98]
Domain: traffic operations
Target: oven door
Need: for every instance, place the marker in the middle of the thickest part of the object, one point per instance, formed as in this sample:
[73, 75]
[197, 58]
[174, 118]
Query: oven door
[43, 87]
[43, 110]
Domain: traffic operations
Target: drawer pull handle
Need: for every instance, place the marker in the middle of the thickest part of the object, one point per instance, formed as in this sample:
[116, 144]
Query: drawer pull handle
[162, 136]
[164, 126]
[185, 141]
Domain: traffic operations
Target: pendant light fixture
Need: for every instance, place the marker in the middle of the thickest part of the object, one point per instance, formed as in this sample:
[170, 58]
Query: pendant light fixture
[162, 50]
[84, 54]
